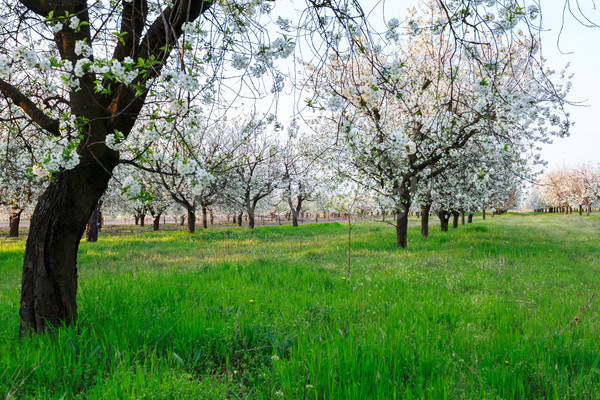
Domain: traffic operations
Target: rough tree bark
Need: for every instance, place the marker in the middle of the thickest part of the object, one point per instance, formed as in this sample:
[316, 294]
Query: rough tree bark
[250, 212]
[444, 217]
[91, 234]
[425, 219]
[191, 217]
[142, 220]
[470, 218]
[204, 217]
[455, 215]
[14, 219]
[156, 222]
[49, 283]
[402, 225]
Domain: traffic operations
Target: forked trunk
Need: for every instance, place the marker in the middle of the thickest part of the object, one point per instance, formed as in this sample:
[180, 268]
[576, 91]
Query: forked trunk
[14, 220]
[425, 220]
[49, 283]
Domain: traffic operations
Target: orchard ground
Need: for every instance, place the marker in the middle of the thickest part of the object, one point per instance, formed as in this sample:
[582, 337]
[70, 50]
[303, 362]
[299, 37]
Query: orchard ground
[502, 308]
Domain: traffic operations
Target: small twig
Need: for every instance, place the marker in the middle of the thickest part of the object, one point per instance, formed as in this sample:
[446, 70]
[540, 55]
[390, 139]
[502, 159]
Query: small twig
[578, 315]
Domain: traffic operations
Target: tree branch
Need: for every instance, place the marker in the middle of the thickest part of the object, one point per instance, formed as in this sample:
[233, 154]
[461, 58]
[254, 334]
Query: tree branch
[38, 116]
[40, 7]
[132, 24]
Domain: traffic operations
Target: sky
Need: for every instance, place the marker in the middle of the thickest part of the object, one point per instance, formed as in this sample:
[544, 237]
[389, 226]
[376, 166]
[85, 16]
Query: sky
[580, 46]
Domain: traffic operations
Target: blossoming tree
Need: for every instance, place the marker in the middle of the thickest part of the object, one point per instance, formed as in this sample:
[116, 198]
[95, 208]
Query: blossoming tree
[403, 116]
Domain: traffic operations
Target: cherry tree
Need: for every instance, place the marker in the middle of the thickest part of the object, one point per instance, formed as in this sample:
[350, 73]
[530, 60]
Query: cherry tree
[565, 188]
[403, 116]
[255, 171]
[87, 74]
[302, 178]
[19, 187]
[84, 71]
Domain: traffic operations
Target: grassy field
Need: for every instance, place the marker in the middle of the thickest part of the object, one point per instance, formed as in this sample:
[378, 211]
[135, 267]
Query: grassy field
[492, 310]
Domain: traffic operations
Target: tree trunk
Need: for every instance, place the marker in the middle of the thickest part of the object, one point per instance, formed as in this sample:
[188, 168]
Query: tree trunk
[483, 213]
[251, 218]
[14, 220]
[191, 217]
[587, 213]
[462, 216]
[142, 220]
[425, 220]
[156, 222]
[470, 218]
[136, 218]
[455, 215]
[295, 210]
[204, 218]
[402, 225]
[49, 282]
[91, 234]
[212, 216]
[240, 219]
[444, 217]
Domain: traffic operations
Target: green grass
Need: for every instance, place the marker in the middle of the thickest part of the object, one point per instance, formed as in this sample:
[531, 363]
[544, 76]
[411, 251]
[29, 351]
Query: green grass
[476, 313]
